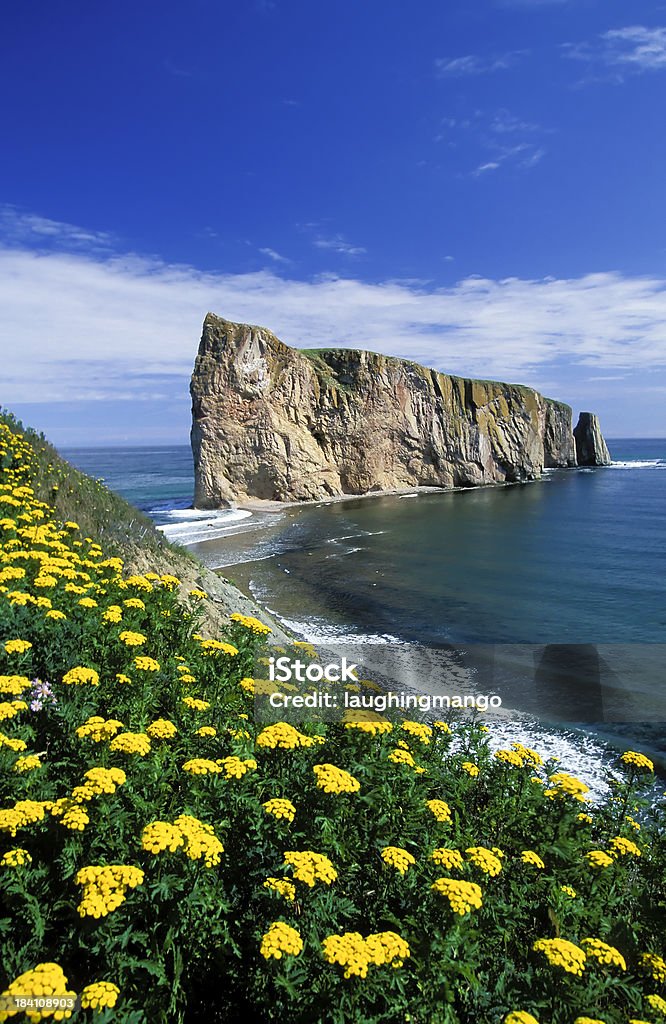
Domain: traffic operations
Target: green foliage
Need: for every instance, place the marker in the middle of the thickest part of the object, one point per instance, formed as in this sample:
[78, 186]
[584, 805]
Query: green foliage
[182, 815]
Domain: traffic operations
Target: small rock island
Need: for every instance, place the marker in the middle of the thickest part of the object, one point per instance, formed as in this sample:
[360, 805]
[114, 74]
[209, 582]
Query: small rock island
[286, 424]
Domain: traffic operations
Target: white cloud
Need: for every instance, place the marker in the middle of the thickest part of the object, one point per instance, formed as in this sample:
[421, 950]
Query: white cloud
[482, 168]
[474, 64]
[81, 325]
[632, 49]
[338, 244]
[273, 255]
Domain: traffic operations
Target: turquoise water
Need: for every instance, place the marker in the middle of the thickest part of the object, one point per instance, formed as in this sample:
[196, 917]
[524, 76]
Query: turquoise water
[578, 557]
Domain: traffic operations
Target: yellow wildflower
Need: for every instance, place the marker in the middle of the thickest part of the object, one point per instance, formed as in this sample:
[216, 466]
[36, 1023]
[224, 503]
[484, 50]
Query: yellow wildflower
[440, 809]
[100, 995]
[280, 938]
[462, 896]
[280, 808]
[335, 780]
[604, 953]
[561, 953]
[310, 867]
[283, 886]
[397, 858]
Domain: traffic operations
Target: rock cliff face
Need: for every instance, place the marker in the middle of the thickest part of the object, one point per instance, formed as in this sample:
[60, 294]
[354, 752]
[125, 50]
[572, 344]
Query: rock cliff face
[591, 449]
[270, 421]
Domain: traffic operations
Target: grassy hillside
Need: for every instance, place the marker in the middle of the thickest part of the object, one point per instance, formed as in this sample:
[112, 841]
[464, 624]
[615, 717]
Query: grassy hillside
[166, 858]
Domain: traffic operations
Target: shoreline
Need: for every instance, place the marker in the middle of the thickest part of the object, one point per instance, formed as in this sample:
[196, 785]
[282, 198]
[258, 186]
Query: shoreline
[272, 505]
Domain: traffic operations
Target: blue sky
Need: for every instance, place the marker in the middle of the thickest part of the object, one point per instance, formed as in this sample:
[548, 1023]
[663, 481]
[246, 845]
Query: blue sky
[476, 184]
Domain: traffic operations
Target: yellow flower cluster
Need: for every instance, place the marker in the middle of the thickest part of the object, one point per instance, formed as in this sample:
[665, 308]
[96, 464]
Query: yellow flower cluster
[335, 780]
[28, 763]
[511, 757]
[280, 938]
[10, 709]
[280, 808]
[366, 721]
[98, 729]
[283, 886]
[309, 867]
[655, 965]
[113, 613]
[161, 729]
[12, 743]
[637, 760]
[471, 768]
[45, 981]
[530, 857]
[655, 1002]
[418, 730]
[131, 743]
[447, 858]
[568, 891]
[605, 954]
[101, 995]
[207, 730]
[131, 639]
[70, 813]
[81, 676]
[197, 839]
[250, 623]
[598, 859]
[285, 736]
[563, 785]
[462, 896]
[196, 704]
[397, 858]
[16, 858]
[356, 954]
[24, 812]
[104, 888]
[14, 685]
[17, 646]
[145, 664]
[484, 859]
[98, 781]
[561, 953]
[440, 809]
[621, 847]
[211, 647]
[401, 756]
[235, 768]
[202, 766]
[520, 1017]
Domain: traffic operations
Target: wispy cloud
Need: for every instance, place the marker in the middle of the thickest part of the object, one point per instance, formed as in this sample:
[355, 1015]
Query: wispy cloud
[635, 48]
[275, 256]
[339, 244]
[475, 64]
[120, 327]
[41, 232]
[500, 138]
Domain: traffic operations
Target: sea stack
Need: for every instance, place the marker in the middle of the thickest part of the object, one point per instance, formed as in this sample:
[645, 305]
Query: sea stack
[287, 424]
[591, 449]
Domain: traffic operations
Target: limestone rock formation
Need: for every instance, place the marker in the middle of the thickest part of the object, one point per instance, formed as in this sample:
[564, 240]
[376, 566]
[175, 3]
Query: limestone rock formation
[270, 421]
[591, 449]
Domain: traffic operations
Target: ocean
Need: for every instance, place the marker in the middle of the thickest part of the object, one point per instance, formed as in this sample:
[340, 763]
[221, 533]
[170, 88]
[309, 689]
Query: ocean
[575, 562]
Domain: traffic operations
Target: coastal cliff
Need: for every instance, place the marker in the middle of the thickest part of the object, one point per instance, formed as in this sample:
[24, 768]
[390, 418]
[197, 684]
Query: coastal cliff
[274, 422]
